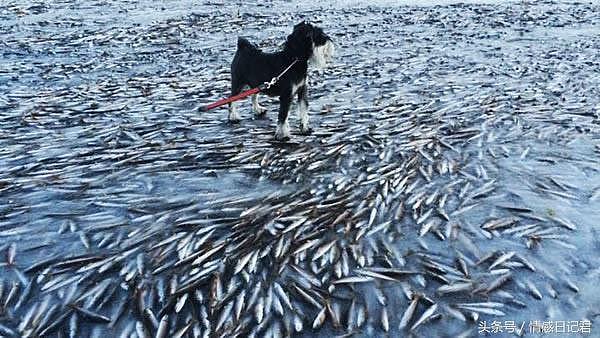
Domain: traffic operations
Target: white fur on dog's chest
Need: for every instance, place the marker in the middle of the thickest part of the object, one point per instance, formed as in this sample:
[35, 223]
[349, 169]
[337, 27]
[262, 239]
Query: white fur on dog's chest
[296, 86]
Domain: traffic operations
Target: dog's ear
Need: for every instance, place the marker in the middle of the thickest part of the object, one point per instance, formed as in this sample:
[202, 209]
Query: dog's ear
[304, 30]
[301, 40]
[308, 32]
[300, 25]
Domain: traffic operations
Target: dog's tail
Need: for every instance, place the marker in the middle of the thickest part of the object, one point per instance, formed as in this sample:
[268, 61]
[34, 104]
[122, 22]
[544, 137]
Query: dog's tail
[243, 43]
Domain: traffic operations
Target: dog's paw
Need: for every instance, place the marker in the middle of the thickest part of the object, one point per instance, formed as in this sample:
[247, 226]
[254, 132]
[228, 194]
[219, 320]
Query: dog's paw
[306, 130]
[282, 132]
[282, 138]
[234, 120]
[260, 111]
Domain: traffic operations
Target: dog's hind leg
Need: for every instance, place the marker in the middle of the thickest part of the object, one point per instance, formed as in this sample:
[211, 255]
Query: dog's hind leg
[258, 109]
[234, 116]
[303, 110]
[283, 128]
[236, 88]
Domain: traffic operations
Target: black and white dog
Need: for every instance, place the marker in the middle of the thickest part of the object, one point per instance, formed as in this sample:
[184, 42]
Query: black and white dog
[252, 67]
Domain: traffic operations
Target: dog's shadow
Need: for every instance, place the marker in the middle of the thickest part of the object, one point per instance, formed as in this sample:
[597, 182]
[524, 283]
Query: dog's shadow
[260, 129]
[285, 144]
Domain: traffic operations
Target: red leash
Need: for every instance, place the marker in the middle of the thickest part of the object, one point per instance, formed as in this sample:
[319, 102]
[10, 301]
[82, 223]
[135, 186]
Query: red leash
[249, 92]
[231, 99]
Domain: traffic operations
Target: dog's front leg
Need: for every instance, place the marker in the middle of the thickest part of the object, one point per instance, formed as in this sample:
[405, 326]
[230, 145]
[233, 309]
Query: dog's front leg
[303, 110]
[283, 128]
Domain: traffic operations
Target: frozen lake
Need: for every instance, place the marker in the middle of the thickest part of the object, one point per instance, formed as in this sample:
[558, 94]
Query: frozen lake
[453, 176]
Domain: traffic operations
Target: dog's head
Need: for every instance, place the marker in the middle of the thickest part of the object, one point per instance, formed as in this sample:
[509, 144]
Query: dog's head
[311, 43]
